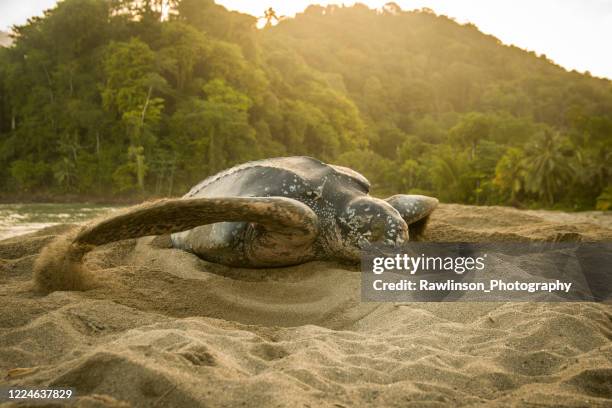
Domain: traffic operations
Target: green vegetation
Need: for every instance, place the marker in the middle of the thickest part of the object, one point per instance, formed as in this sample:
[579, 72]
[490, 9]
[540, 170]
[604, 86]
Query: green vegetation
[104, 98]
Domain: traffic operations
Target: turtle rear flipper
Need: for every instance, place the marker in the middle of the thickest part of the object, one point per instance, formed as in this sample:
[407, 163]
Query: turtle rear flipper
[415, 210]
[59, 266]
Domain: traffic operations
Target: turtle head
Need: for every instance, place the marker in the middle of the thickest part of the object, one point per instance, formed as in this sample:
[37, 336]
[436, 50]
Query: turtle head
[368, 220]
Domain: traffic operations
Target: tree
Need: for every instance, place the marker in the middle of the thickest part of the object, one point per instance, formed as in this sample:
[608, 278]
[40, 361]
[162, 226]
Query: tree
[269, 16]
[131, 81]
[510, 173]
[471, 129]
[182, 49]
[216, 127]
[450, 175]
[392, 8]
[548, 166]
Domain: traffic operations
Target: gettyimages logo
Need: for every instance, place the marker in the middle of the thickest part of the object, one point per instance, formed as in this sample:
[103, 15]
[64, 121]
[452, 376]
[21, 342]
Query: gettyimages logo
[540, 271]
[412, 264]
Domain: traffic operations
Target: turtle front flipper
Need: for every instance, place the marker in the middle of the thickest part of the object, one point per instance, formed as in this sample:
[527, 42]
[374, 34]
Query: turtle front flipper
[59, 265]
[415, 210]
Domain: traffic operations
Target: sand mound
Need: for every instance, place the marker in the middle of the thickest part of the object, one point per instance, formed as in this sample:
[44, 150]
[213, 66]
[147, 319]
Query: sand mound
[167, 329]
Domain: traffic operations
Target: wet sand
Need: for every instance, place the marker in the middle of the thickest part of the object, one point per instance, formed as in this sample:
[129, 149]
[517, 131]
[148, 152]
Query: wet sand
[164, 328]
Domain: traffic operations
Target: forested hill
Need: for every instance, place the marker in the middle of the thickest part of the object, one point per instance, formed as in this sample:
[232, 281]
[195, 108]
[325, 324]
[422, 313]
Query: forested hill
[103, 98]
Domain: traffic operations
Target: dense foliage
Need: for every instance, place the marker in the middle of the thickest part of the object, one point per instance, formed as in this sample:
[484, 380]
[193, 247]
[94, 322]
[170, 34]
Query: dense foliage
[105, 98]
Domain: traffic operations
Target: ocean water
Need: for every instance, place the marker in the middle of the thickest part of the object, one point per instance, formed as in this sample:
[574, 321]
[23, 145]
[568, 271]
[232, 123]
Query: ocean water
[19, 219]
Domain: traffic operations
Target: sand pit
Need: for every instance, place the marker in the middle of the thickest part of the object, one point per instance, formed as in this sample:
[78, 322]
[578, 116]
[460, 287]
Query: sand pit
[165, 329]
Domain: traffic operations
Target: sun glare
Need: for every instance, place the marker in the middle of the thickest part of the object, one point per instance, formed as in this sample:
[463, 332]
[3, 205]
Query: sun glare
[557, 28]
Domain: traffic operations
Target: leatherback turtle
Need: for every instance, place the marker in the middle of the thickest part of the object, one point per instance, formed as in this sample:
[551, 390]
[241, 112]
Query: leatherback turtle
[267, 213]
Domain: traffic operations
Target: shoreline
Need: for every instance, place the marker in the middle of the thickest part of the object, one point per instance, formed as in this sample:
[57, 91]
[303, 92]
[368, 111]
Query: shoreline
[73, 199]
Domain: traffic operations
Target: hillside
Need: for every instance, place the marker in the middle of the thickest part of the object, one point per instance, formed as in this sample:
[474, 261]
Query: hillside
[112, 101]
[451, 110]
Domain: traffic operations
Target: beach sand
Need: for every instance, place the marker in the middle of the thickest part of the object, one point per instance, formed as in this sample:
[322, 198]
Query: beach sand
[165, 329]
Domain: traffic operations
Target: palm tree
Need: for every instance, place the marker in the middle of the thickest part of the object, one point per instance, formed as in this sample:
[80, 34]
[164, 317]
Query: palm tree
[269, 16]
[548, 168]
[510, 172]
[449, 174]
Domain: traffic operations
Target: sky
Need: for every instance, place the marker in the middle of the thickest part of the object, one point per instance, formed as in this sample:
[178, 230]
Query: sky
[576, 34]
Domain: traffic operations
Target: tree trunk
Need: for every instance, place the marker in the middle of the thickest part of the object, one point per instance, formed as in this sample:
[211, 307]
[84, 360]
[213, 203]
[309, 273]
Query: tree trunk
[171, 180]
[145, 107]
[140, 169]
